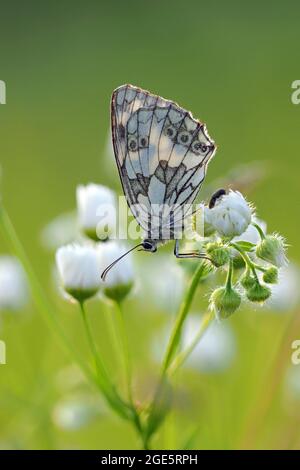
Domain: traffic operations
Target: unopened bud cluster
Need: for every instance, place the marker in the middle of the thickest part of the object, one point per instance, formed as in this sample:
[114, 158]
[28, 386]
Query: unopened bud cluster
[234, 241]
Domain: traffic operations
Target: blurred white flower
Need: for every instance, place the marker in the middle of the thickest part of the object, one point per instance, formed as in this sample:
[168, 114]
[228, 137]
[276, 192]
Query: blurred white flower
[96, 210]
[119, 279]
[231, 214]
[79, 271]
[60, 231]
[162, 282]
[215, 351]
[13, 284]
[73, 413]
[286, 293]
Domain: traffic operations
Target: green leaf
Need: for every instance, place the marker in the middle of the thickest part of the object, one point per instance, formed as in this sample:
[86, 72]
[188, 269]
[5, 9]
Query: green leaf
[246, 246]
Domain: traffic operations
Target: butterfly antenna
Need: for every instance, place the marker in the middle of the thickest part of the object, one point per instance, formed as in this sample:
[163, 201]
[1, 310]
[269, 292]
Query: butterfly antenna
[106, 270]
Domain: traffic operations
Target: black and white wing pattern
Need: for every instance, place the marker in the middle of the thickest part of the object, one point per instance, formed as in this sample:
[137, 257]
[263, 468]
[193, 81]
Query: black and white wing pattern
[162, 153]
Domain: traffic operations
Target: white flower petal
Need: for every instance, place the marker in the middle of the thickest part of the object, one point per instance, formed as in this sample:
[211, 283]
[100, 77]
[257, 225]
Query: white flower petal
[93, 202]
[78, 267]
[231, 214]
[122, 272]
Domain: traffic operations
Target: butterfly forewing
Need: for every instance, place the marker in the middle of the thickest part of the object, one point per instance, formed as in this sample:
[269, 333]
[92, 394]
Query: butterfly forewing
[162, 153]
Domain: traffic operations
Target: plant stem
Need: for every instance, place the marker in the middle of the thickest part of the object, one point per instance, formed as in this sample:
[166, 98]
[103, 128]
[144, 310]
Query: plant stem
[46, 309]
[229, 275]
[246, 258]
[183, 312]
[100, 368]
[128, 372]
[184, 355]
[125, 349]
[260, 230]
[104, 381]
[174, 341]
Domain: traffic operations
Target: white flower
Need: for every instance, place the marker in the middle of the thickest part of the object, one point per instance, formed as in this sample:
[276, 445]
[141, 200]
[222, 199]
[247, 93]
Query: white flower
[119, 279]
[96, 210]
[231, 214]
[208, 228]
[79, 271]
[162, 282]
[61, 230]
[215, 350]
[75, 412]
[13, 284]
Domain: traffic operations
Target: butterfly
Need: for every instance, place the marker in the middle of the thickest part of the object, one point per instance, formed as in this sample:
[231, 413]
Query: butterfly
[162, 154]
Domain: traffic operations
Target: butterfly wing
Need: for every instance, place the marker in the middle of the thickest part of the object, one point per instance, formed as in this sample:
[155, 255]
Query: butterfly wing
[162, 153]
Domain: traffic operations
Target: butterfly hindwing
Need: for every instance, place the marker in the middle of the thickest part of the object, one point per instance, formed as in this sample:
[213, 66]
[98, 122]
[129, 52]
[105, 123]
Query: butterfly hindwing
[161, 152]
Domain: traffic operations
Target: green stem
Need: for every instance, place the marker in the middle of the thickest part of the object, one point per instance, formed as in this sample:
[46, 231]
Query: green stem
[183, 312]
[246, 258]
[153, 421]
[106, 385]
[125, 349]
[100, 368]
[46, 309]
[128, 372]
[184, 355]
[260, 230]
[229, 275]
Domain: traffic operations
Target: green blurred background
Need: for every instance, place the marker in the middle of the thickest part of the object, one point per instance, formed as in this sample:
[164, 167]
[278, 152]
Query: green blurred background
[232, 64]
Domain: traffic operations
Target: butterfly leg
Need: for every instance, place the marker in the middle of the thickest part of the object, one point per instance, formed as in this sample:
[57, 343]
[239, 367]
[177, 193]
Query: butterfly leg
[192, 254]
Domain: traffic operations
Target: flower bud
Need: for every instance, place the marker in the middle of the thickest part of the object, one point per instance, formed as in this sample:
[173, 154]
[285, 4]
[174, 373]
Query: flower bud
[225, 301]
[119, 280]
[247, 281]
[272, 249]
[96, 211]
[231, 214]
[258, 293]
[218, 254]
[237, 260]
[79, 272]
[270, 276]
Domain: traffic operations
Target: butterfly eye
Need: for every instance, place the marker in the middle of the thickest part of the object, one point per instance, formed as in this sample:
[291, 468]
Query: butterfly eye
[184, 138]
[132, 144]
[143, 141]
[170, 131]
